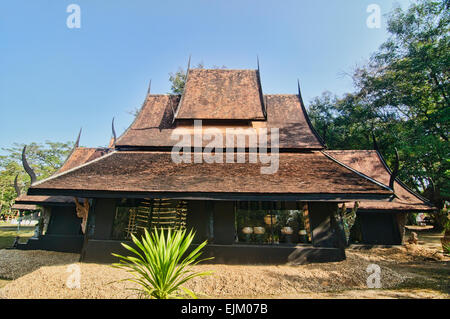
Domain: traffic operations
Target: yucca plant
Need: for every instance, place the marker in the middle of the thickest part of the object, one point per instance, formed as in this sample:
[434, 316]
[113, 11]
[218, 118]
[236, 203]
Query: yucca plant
[161, 264]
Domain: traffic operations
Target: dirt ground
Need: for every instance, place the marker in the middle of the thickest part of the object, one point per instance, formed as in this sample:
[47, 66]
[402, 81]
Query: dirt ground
[410, 271]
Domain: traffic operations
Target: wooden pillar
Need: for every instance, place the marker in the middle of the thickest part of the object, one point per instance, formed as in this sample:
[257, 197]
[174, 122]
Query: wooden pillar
[197, 220]
[224, 222]
[322, 229]
[105, 211]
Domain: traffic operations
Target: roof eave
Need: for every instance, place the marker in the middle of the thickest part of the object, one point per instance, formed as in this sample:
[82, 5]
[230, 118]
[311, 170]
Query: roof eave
[316, 197]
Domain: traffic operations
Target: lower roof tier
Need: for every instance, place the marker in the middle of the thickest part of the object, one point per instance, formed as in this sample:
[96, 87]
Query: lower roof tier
[371, 163]
[300, 176]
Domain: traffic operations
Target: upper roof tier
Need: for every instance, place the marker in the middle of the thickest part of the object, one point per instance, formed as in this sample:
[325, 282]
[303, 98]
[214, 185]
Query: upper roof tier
[221, 95]
[222, 99]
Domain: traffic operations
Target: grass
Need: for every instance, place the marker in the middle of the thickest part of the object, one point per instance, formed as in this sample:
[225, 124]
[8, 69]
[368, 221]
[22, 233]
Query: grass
[9, 232]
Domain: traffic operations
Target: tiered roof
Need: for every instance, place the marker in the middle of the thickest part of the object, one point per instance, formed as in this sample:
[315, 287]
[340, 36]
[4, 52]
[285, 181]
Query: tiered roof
[142, 166]
[222, 99]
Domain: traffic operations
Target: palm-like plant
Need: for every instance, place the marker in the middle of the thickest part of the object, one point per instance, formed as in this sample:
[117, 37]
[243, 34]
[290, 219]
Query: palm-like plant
[161, 263]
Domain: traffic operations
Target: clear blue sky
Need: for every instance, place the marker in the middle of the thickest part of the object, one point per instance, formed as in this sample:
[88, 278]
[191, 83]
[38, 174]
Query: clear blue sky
[54, 80]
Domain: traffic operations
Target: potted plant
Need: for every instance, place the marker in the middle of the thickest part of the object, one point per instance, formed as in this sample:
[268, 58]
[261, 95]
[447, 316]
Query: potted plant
[287, 232]
[247, 231]
[303, 236]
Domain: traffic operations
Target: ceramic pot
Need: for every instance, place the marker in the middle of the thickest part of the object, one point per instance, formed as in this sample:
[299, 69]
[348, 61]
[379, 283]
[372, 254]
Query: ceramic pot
[259, 230]
[287, 230]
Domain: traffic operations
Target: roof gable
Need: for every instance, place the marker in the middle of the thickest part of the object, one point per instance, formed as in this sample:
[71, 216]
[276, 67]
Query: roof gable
[221, 95]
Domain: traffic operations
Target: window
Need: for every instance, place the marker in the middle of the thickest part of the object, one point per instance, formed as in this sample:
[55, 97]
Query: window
[133, 217]
[271, 223]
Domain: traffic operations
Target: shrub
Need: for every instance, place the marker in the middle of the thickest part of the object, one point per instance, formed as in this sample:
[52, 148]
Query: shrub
[161, 263]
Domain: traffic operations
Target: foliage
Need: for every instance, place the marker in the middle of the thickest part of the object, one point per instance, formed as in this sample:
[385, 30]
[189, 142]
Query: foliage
[161, 263]
[44, 159]
[402, 97]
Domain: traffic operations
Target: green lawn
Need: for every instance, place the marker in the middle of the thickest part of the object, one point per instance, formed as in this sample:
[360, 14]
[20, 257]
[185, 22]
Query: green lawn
[8, 232]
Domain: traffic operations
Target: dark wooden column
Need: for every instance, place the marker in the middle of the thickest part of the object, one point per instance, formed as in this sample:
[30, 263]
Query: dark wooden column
[197, 220]
[224, 222]
[105, 210]
[323, 234]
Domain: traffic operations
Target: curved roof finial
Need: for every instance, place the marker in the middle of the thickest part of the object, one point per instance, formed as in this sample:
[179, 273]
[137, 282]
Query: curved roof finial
[27, 167]
[77, 142]
[114, 133]
[395, 170]
[257, 62]
[302, 105]
[149, 87]
[16, 186]
[189, 65]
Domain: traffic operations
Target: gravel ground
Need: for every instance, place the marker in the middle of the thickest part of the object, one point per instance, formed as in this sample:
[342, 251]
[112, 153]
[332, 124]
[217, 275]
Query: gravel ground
[42, 274]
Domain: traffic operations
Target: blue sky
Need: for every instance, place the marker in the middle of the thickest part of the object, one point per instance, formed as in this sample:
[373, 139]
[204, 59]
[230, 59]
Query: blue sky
[54, 80]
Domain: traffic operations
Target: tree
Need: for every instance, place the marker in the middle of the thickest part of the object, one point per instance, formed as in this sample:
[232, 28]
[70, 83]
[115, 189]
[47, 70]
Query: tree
[409, 77]
[402, 97]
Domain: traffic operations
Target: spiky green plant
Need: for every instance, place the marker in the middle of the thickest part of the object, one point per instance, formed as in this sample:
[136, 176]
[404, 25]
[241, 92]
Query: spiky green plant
[161, 264]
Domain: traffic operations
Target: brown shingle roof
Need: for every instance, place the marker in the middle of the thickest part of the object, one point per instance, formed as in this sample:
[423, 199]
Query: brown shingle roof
[370, 163]
[285, 112]
[154, 125]
[81, 155]
[155, 172]
[221, 95]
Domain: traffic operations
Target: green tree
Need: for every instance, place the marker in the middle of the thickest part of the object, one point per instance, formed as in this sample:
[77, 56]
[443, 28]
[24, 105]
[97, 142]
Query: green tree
[402, 96]
[409, 78]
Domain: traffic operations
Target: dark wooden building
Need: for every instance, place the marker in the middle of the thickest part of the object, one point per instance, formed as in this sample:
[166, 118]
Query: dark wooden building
[246, 215]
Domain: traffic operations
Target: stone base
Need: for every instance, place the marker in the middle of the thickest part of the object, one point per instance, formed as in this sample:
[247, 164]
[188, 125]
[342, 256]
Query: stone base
[99, 251]
[60, 243]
